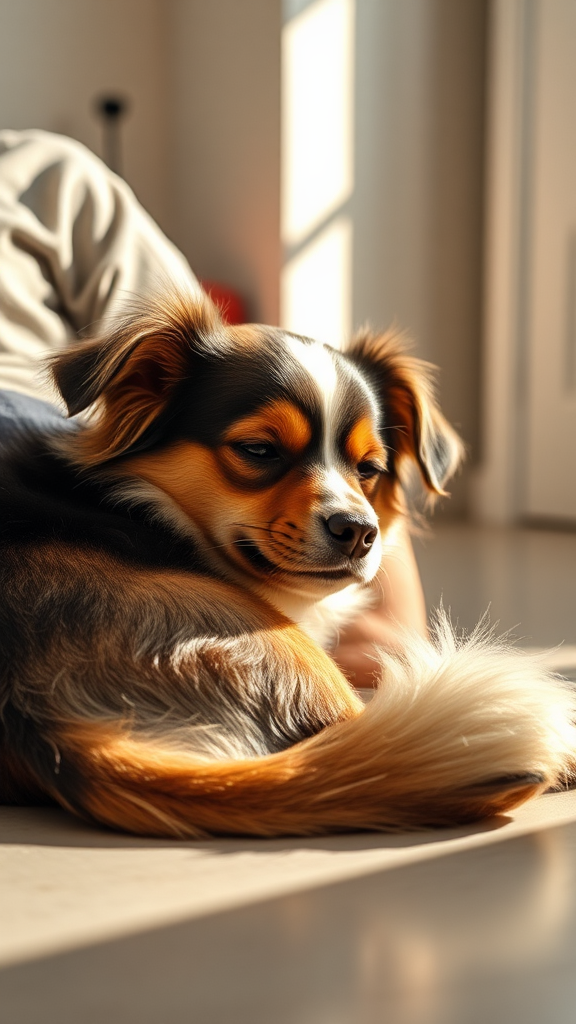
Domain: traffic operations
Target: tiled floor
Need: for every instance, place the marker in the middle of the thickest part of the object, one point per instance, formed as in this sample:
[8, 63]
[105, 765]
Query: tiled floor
[458, 927]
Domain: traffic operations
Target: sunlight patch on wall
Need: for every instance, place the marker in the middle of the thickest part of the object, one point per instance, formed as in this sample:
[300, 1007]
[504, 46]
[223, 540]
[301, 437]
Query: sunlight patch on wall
[317, 168]
[315, 292]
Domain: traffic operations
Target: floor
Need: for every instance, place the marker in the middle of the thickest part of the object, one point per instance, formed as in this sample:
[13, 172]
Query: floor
[453, 927]
[525, 579]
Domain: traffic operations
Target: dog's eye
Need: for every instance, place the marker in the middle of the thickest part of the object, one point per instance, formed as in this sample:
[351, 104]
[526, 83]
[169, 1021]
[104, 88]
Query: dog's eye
[260, 451]
[367, 470]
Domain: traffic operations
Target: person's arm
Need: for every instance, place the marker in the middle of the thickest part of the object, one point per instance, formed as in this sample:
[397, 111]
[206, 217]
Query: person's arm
[400, 605]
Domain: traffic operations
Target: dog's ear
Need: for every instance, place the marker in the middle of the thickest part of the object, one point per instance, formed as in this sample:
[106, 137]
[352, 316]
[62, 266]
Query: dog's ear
[130, 374]
[413, 425]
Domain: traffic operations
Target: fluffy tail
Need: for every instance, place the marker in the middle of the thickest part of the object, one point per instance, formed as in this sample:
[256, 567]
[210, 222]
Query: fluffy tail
[458, 730]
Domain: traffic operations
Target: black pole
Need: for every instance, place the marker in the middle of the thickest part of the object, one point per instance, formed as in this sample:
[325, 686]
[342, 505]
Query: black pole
[111, 109]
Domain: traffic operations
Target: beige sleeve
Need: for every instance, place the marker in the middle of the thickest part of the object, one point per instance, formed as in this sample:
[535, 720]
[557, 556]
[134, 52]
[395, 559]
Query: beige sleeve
[74, 245]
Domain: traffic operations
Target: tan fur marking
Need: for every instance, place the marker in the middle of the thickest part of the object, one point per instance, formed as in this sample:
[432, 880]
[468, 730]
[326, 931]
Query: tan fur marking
[363, 444]
[281, 422]
[193, 476]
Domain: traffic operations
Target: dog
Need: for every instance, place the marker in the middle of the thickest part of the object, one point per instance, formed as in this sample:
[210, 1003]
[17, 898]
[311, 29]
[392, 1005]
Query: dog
[174, 554]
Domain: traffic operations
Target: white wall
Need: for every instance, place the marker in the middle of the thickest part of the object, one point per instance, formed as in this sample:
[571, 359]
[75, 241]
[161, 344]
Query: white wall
[57, 55]
[391, 204]
[225, 88]
[418, 202]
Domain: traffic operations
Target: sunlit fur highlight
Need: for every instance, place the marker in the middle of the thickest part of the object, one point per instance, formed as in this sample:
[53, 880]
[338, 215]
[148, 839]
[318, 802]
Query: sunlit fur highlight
[167, 694]
[414, 758]
[130, 373]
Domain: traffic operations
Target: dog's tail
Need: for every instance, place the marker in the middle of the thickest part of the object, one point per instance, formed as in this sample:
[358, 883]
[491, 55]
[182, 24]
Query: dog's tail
[458, 730]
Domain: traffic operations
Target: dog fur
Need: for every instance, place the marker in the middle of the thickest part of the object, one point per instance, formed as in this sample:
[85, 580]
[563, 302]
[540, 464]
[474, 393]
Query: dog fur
[171, 562]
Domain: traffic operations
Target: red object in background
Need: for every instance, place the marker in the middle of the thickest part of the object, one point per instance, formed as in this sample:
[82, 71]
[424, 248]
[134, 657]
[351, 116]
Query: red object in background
[229, 302]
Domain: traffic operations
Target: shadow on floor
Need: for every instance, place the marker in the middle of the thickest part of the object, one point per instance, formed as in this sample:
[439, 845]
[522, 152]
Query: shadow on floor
[51, 826]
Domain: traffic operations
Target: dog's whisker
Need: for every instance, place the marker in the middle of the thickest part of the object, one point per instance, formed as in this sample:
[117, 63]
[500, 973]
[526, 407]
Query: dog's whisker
[265, 529]
[397, 426]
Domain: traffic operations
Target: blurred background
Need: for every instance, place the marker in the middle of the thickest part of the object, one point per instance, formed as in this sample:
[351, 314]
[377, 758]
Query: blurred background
[342, 161]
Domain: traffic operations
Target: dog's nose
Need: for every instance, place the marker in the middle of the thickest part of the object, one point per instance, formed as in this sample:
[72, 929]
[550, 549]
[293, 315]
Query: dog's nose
[353, 535]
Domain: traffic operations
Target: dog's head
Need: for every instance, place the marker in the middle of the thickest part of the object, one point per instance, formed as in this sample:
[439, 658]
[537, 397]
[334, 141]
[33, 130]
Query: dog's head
[284, 454]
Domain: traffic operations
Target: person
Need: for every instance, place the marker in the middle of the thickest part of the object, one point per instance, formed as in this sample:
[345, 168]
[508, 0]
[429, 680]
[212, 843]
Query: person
[75, 243]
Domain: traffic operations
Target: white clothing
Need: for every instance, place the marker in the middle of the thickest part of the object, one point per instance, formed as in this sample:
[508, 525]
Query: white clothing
[74, 244]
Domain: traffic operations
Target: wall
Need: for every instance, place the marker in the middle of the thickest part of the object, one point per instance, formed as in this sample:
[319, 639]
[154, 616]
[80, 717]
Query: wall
[202, 142]
[224, 80]
[418, 205]
[56, 56]
[455, 242]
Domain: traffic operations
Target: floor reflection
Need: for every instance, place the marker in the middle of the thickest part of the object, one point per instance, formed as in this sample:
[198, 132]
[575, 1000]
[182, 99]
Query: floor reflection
[482, 934]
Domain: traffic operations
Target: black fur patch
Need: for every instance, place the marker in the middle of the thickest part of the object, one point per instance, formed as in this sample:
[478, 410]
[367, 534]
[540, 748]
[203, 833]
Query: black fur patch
[44, 498]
